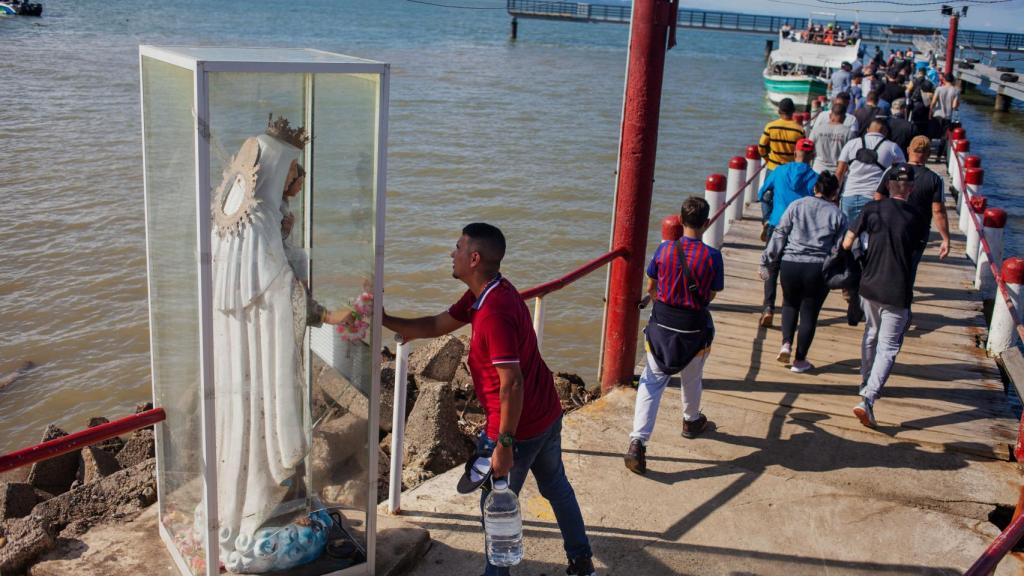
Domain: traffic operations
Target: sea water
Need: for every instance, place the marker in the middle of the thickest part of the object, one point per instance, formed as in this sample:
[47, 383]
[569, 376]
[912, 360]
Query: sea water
[503, 526]
[521, 134]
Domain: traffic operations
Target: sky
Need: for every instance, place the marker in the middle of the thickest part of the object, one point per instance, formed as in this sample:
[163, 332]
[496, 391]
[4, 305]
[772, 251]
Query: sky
[995, 17]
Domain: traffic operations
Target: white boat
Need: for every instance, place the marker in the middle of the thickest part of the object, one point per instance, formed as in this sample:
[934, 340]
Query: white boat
[800, 69]
[20, 8]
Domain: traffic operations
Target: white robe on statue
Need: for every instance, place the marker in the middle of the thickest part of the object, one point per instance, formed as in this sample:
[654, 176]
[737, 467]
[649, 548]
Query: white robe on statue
[261, 436]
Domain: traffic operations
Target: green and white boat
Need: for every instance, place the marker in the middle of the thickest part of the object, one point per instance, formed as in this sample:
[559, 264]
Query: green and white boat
[800, 70]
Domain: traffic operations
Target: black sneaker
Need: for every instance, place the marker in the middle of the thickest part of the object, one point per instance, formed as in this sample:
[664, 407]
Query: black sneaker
[585, 566]
[693, 429]
[636, 459]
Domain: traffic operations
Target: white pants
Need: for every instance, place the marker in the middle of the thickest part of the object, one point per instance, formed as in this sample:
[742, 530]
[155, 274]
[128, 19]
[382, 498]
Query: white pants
[652, 386]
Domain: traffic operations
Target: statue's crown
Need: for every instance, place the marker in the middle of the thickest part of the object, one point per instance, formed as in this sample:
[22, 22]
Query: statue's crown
[282, 130]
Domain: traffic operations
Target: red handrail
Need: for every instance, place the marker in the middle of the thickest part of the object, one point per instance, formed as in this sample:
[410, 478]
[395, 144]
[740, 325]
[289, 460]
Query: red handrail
[988, 250]
[80, 439]
[736, 195]
[997, 550]
[559, 283]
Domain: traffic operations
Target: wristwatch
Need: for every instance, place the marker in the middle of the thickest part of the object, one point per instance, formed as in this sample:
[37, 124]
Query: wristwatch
[507, 440]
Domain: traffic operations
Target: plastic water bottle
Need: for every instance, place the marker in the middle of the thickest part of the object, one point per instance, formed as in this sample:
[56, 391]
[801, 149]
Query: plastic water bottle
[503, 525]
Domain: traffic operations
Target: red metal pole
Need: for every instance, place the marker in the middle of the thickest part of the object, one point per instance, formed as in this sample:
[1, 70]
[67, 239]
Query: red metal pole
[80, 439]
[954, 20]
[639, 142]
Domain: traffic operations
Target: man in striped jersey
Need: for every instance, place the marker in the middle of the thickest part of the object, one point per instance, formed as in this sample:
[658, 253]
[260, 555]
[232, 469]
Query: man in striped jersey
[779, 138]
[682, 279]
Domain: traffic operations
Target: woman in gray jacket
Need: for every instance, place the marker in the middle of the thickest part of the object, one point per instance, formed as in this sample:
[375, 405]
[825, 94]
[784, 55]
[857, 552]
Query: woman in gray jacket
[807, 233]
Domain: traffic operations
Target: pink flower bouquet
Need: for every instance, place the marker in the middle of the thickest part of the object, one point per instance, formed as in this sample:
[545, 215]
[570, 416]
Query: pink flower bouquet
[355, 328]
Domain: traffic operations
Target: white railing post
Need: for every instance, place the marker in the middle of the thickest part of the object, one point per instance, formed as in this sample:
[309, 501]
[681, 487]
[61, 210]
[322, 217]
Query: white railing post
[753, 165]
[994, 221]
[960, 150]
[398, 426]
[976, 205]
[737, 173]
[714, 193]
[538, 320]
[1002, 334]
[974, 178]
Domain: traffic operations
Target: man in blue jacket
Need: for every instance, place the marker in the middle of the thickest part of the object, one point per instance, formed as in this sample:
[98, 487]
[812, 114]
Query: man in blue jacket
[783, 185]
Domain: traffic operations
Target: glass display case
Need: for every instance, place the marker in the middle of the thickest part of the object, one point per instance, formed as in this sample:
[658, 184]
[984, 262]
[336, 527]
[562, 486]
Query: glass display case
[264, 193]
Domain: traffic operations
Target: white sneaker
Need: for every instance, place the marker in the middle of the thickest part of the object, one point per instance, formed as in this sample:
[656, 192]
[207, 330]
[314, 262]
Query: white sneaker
[784, 353]
[801, 366]
[865, 414]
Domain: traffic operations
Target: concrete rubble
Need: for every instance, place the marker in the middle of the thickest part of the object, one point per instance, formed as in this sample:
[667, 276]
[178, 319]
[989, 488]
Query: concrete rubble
[54, 509]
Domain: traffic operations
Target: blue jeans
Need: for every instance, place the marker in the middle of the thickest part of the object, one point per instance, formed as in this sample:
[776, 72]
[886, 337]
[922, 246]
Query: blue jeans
[542, 455]
[884, 327]
[852, 204]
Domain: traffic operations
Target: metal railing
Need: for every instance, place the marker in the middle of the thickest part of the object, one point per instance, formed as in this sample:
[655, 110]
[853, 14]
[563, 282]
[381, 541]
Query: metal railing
[402, 366]
[758, 23]
[1009, 537]
[80, 439]
[977, 222]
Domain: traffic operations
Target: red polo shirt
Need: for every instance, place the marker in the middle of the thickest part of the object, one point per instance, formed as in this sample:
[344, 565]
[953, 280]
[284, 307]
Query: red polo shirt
[503, 334]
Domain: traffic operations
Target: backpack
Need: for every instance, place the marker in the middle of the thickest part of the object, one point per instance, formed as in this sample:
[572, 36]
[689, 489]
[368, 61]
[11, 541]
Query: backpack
[869, 155]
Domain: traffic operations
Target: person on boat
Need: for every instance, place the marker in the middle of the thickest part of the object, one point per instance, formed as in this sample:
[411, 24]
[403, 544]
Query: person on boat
[683, 277]
[810, 229]
[829, 37]
[892, 228]
[786, 184]
[786, 30]
[829, 138]
[512, 383]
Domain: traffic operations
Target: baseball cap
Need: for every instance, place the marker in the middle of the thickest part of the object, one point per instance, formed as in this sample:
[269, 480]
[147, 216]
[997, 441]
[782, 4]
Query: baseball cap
[902, 172]
[920, 145]
[805, 145]
[786, 106]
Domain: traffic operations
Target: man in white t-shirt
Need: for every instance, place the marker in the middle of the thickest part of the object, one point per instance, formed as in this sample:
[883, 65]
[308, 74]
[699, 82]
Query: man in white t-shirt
[861, 165]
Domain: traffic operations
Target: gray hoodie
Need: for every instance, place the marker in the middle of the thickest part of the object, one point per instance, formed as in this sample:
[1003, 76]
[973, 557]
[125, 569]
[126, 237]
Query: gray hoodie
[807, 232]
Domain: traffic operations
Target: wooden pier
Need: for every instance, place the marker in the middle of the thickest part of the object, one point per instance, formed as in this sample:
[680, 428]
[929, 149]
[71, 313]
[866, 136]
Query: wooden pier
[786, 480]
[944, 390]
[988, 77]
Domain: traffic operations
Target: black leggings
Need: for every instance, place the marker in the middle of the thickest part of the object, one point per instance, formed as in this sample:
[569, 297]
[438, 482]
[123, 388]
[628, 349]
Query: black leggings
[803, 293]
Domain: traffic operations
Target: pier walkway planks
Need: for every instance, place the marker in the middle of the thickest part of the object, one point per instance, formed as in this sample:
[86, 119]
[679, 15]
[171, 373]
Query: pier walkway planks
[944, 390]
[785, 481]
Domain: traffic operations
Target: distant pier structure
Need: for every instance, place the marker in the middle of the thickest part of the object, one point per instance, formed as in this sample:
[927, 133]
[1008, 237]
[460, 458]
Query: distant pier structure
[1005, 82]
[751, 23]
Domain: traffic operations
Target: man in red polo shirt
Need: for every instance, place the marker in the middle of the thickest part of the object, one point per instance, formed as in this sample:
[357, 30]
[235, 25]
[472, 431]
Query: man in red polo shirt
[511, 381]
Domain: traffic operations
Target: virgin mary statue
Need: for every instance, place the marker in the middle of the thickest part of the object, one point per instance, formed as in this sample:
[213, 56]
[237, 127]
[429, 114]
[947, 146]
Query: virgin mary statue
[260, 313]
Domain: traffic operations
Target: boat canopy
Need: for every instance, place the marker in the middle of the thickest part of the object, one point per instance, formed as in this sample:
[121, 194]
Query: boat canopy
[810, 54]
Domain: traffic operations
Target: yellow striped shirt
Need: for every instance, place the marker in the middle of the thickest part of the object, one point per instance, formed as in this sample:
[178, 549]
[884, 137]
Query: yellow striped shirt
[779, 140]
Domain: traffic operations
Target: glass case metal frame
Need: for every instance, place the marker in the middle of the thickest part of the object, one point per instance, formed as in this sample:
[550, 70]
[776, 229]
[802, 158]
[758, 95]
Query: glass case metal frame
[319, 62]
